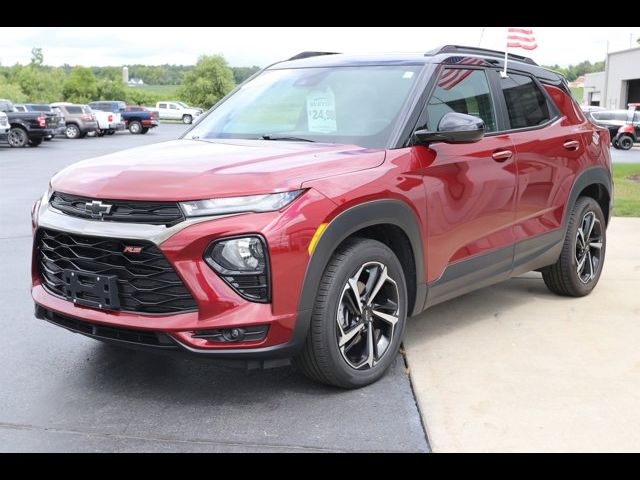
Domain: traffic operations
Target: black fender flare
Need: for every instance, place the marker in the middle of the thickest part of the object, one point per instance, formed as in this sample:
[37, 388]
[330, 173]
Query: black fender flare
[394, 212]
[590, 176]
[19, 124]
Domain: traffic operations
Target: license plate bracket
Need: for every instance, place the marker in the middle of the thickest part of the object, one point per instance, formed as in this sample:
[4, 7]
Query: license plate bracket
[91, 290]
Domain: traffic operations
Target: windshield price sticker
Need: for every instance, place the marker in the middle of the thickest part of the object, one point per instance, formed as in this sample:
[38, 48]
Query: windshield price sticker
[321, 111]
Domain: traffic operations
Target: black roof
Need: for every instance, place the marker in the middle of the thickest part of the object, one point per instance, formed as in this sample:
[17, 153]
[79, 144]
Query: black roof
[443, 54]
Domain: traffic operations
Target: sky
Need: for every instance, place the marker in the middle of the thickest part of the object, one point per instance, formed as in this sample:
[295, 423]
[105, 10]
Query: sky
[246, 46]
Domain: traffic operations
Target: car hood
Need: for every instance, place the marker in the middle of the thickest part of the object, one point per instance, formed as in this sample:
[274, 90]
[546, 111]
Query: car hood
[197, 169]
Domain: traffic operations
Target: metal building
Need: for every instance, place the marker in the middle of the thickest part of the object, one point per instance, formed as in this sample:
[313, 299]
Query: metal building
[618, 85]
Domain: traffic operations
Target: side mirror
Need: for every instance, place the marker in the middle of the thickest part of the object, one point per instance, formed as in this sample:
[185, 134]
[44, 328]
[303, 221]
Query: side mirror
[453, 128]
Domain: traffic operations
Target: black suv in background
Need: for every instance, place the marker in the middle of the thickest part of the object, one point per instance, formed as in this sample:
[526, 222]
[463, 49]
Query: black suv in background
[27, 128]
[47, 109]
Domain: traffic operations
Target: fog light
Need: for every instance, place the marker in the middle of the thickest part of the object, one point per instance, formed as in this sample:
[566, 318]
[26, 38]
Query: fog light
[242, 263]
[254, 333]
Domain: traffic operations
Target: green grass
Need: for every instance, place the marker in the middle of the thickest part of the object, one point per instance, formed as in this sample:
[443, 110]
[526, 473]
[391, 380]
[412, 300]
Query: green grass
[577, 94]
[626, 192]
[168, 91]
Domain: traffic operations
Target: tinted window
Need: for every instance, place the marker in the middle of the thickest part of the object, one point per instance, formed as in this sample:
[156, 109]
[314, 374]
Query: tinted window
[162, 105]
[461, 90]
[74, 109]
[526, 104]
[39, 108]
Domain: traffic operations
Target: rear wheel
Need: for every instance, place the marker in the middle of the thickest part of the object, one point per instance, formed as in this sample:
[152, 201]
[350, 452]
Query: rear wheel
[578, 269]
[17, 137]
[144, 130]
[358, 318]
[111, 132]
[135, 127]
[625, 142]
[72, 131]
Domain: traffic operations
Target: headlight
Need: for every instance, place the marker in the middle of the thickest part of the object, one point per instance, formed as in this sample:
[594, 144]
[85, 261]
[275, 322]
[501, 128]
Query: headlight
[243, 264]
[251, 203]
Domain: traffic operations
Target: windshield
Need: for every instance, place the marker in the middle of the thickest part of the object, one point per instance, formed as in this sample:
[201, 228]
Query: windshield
[348, 105]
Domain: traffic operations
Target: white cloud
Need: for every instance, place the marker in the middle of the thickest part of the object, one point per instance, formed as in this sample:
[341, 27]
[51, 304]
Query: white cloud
[264, 45]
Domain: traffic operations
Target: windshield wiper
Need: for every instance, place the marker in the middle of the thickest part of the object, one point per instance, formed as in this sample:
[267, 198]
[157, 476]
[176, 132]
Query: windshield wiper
[285, 138]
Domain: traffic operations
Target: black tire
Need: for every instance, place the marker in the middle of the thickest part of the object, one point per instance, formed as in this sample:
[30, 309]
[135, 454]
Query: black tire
[111, 132]
[563, 277]
[614, 142]
[18, 137]
[187, 119]
[35, 142]
[100, 133]
[322, 359]
[72, 131]
[144, 130]
[83, 134]
[135, 127]
[625, 142]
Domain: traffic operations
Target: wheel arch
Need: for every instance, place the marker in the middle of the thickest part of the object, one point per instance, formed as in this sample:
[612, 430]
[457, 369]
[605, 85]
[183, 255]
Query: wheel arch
[594, 182]
[390, 221]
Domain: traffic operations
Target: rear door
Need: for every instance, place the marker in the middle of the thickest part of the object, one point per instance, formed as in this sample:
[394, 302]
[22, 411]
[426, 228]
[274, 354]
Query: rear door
[470, 188]
[550, 150]
[162, 110]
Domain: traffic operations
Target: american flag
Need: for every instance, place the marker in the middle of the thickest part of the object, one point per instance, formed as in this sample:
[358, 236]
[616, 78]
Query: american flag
[518, 37]
[453, 76]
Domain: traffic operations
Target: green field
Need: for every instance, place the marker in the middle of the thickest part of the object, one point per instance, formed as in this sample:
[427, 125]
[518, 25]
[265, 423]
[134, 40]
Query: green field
[168, 91]
[626, 189]
[577, 94]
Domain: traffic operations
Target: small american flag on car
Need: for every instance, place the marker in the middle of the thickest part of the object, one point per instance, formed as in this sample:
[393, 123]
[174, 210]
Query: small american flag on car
[519, 37]
[453, 76]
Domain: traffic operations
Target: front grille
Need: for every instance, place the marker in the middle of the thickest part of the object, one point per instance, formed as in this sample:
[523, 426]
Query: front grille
[95, 330]
[146, 281]
[155, 213]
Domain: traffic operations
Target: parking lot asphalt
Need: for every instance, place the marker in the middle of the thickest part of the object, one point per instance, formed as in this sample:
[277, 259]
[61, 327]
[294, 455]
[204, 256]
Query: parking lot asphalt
[63, 392]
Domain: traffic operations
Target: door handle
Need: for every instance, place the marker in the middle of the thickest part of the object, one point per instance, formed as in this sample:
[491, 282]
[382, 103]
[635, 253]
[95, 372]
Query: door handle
[502, 155]
[572, 145]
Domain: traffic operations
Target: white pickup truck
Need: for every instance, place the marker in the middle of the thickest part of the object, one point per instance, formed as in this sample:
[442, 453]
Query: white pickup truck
[4, 126]
[173, 110]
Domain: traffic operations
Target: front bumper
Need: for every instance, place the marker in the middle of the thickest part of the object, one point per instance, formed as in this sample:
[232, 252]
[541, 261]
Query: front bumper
[219, 306]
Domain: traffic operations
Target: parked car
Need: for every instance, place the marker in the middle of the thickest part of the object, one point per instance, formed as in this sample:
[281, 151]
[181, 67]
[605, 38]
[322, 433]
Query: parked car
[311, 212]
[57, 124]
[79, 120]
[139, 119]
[612, 120]
[136, 119]
[629, 132]
[109, 117]
[4, 127]
[173, 110]
[27, 128]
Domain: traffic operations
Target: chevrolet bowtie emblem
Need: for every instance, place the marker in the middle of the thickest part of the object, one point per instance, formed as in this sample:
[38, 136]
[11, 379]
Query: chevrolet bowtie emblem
[97, 209]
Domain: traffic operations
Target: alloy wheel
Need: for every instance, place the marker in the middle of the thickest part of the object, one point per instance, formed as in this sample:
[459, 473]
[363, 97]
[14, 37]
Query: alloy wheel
[588, 247]
[17, 137]
[367, 316]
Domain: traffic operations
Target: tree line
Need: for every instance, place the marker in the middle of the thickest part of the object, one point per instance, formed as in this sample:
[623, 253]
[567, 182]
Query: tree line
[200, 85]
[574, 71]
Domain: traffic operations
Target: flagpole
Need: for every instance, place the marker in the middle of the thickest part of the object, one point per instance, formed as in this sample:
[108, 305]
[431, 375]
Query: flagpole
[503, 74]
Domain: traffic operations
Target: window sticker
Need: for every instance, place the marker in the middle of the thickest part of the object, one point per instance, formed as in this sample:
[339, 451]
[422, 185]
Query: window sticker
[321, 111]
[407, 75]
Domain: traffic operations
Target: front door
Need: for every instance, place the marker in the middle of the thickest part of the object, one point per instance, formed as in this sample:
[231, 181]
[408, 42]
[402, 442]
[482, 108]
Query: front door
[470, 189]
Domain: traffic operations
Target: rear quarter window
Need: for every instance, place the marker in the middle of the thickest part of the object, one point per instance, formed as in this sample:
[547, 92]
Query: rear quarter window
[74, 110]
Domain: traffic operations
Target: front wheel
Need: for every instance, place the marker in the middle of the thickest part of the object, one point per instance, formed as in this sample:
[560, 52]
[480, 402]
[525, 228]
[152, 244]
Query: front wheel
[578, 269]
[358, 318]
[17, 137]
[625, 142]
[187, 119]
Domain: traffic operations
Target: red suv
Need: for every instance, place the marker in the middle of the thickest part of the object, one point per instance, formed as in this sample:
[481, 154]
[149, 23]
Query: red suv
[323, 202]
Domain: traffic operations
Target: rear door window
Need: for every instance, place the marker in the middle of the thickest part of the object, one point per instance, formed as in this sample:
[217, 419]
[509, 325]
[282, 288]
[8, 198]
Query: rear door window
[74, 110]
[527, 106]
[162, 105]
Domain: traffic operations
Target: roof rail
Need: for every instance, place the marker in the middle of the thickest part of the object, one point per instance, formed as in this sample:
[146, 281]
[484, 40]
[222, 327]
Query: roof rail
[478, 51]
[310, 54]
